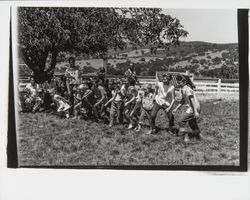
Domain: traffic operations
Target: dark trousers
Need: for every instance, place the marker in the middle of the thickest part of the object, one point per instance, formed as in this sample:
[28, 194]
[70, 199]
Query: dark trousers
[132, 113]
[100, 111]
[154, 112]
[192, 122]
[144, 114]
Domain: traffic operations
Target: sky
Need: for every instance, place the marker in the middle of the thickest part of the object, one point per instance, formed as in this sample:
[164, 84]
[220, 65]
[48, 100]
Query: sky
[214, 25]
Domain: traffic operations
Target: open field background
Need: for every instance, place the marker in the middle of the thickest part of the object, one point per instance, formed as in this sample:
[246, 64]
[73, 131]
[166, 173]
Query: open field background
[45, 139]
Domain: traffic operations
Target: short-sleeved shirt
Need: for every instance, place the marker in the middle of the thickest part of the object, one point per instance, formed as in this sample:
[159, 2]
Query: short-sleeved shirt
[187, 93]
[100, 92]
[139, 96]
[121, 94]
[164, 96]
[148, 101]
[73, 75]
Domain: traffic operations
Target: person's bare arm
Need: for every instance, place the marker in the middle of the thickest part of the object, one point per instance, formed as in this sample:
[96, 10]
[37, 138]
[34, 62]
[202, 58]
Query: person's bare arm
[196, 114]
[68, 87]
[110, 100]
[100, 101]
[130, 101]
[78, 105]
[156, 91]
[181, 103]
[172, 102]
[86, 95]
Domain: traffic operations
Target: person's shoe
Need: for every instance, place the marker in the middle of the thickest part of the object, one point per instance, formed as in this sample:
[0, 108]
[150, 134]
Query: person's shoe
[130, 126]
[186, 138]
[198, 136]
[151, 131]
[172, 132]
[67, 116]
[41, 109]
[138, 128]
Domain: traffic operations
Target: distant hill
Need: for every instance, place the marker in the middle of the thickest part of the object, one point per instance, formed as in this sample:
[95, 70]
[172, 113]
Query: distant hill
[201, 58]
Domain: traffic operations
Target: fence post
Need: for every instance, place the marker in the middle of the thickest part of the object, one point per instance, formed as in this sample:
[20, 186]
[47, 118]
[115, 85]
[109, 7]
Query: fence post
[219, 88]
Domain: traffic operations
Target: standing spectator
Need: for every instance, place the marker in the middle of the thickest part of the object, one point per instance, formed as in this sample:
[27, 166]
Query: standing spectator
[101, 75]
[72, 75]
[131, 75]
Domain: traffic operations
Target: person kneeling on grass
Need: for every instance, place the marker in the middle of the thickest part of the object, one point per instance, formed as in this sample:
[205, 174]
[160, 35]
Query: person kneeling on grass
[193, 110]
[61, 103]
[32, 97]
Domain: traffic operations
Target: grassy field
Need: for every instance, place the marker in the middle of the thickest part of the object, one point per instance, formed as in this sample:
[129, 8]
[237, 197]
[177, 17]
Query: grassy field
[45, 139]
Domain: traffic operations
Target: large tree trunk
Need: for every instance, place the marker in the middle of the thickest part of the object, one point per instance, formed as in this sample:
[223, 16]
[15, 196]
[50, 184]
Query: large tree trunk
[53, 61]
[37, 64]
[105, 64]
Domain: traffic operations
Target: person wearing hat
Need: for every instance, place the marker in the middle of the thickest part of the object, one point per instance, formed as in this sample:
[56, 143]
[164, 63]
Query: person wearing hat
[192, 109]
[164, 99]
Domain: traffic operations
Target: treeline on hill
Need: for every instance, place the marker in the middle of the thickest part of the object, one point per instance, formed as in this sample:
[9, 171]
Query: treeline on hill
[201, 58]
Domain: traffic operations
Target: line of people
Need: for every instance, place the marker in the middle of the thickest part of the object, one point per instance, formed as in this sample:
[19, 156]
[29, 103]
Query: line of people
[117, 101]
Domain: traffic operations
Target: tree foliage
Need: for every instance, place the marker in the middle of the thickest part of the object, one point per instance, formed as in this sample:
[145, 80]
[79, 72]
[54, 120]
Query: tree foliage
[46, 32]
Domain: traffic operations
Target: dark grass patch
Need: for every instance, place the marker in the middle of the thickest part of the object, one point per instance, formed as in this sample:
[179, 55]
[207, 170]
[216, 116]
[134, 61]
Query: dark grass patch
[46, 139]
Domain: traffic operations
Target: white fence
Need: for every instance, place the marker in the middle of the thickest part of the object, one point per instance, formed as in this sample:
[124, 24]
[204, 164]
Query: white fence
[205, 87]
[218, 88]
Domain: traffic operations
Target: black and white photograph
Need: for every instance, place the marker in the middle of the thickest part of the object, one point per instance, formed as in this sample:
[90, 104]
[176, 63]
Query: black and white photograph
[121, 86]
[123, 99]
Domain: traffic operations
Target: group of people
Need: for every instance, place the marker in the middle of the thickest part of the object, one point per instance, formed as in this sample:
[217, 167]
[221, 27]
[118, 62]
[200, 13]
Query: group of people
[116, 101]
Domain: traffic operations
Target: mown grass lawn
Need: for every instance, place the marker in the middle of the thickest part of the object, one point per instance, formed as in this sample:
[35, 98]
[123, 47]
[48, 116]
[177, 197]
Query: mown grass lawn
[46, 139]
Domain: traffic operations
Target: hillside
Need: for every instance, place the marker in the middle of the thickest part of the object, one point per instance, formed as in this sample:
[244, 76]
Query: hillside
[201, 58]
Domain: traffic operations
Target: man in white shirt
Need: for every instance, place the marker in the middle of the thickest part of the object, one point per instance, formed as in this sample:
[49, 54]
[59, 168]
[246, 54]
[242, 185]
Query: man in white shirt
[164, 99]
[72, 75]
